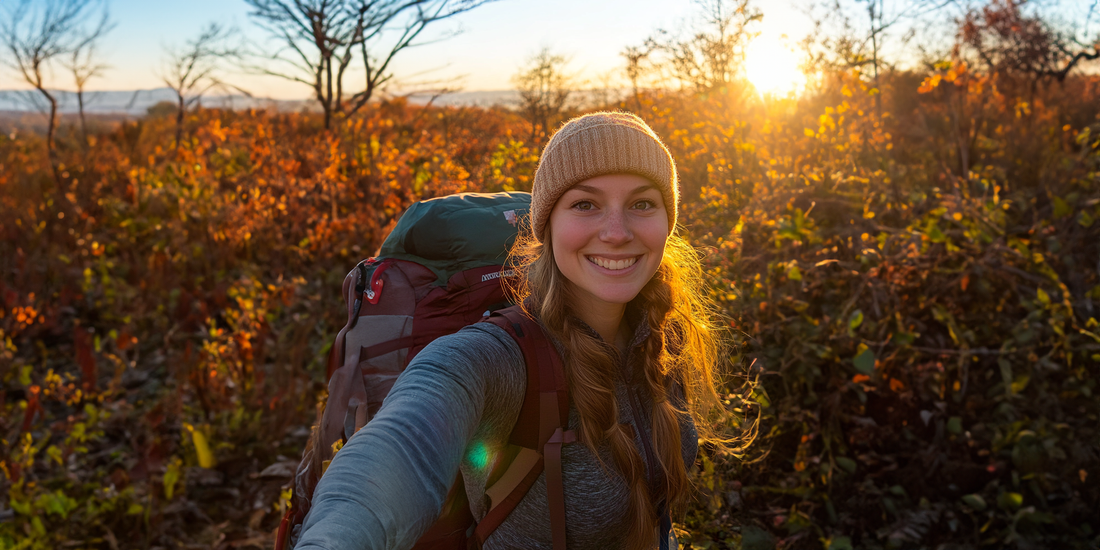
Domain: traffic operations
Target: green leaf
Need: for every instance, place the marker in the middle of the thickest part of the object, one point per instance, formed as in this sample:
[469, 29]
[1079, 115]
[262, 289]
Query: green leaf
[793, 273]
[1006, 375]
[171, 477]
[840, 543]
[847, 464]
[903, 339]
[864, 360]
[1061, 208]
[1084, 219]
[975, 501]
[1043, 297]
[1010, 501]
[933, 232]
[854, 320]
[955, 425]
[755, 538]
[1020, 383]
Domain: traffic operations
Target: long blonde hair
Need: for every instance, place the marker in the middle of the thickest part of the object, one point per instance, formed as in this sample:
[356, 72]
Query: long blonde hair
[682, 350]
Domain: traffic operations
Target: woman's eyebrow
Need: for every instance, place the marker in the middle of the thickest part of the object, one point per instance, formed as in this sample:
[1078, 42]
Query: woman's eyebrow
[585, 188]
[595, 191]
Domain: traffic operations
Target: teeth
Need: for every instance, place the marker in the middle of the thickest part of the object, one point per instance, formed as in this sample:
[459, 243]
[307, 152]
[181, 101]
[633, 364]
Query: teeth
[613, 265]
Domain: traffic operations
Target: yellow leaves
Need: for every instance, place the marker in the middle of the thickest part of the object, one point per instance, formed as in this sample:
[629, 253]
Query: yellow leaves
[808, 132]
[217, 131]
[172, 475]
[202, 447]
[930, 83]
[1023, 109]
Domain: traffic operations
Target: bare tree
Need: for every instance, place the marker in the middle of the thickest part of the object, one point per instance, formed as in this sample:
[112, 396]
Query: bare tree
[843, 40]
[36, 32]
[713, 57]
[323, 38]
[636, 57]
[544, 89]
[192, 70]
[1007, 38]
[84, 65]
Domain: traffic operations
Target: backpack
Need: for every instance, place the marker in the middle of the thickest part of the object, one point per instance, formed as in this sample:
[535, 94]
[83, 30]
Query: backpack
[441, 268]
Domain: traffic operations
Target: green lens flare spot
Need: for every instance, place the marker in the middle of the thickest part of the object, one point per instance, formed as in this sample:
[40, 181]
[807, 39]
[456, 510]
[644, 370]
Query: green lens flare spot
[478, 455]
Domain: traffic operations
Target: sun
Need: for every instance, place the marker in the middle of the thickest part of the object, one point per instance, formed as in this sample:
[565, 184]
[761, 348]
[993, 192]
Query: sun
[772, 66]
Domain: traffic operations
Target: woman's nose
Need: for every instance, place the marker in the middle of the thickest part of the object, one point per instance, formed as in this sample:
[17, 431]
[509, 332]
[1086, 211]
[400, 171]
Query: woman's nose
[616, 228]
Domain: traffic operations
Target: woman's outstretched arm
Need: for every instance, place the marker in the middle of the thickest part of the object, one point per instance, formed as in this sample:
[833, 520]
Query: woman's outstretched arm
[388, 483]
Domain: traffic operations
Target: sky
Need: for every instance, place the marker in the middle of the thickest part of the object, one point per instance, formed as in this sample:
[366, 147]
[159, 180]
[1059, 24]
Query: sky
[494, 42]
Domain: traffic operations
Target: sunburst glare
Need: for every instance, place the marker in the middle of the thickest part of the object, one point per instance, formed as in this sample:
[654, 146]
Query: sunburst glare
[772, 66]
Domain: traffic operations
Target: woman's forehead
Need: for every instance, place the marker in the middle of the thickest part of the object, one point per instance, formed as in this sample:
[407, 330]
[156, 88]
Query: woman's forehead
[629, 183]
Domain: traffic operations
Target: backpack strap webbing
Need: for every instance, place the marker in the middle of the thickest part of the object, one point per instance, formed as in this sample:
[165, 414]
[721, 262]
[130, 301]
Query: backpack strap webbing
[540, 427]
[355, 284]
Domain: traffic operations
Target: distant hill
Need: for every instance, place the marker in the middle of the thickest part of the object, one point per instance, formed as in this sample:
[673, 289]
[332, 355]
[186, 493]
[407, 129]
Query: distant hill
[136, 102]
[131, 102]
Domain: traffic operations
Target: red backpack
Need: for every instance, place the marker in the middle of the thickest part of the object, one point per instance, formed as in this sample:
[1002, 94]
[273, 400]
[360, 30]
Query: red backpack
[440, 269]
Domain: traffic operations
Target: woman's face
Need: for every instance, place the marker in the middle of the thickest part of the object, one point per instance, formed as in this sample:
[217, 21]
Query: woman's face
[608, 237]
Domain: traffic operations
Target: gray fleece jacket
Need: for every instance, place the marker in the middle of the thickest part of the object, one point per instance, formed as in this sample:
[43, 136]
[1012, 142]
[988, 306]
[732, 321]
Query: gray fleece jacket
[449, 412]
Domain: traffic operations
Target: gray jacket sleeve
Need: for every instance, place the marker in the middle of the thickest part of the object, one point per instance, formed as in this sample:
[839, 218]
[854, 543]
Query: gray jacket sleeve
[388, 483]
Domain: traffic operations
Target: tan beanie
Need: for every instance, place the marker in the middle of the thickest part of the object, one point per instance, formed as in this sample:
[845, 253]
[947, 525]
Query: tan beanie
[598, 144]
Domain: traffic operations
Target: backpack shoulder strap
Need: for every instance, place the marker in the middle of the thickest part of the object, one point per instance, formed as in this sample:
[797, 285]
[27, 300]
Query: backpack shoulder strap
[540, 429]
[545, 375]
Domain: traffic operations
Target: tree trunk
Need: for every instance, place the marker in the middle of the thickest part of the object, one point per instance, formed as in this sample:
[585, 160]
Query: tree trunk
[329, 99]
[179, 122]
[83, 123]
[52, 124]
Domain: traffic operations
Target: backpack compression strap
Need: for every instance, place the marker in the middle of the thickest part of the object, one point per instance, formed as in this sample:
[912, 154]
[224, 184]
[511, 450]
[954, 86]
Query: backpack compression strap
[539, 432]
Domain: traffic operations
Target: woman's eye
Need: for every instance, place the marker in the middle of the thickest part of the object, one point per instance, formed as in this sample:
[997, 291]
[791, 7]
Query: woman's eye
[583, 205]
[644, 204]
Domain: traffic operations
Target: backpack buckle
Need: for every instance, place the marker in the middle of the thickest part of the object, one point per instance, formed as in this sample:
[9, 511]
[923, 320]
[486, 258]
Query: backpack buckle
[374, 291]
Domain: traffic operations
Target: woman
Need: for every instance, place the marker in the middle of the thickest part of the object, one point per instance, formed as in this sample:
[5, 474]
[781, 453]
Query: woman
[621, 296]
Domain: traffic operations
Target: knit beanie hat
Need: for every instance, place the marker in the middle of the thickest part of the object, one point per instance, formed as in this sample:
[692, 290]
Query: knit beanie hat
[599, 144]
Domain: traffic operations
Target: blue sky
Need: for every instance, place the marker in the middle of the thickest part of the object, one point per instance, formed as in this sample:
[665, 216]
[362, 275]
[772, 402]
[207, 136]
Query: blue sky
[496, 39]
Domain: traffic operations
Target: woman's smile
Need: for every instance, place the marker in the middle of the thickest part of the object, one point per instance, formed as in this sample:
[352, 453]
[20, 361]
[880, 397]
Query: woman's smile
[613, 264]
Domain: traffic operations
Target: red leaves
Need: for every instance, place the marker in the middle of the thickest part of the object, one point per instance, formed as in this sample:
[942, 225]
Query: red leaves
[85, 357]
[125, 340]
[33, 406]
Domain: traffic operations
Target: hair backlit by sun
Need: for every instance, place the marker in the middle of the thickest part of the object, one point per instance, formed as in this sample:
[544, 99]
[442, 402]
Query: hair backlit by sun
[772, 66]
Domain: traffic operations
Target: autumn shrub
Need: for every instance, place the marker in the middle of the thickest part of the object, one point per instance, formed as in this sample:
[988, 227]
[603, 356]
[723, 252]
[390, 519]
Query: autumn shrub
[909, 273]
[914, 289]
[166, 311]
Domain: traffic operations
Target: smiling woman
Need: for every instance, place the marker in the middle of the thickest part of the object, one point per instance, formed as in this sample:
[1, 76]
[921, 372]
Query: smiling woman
[618, 295]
